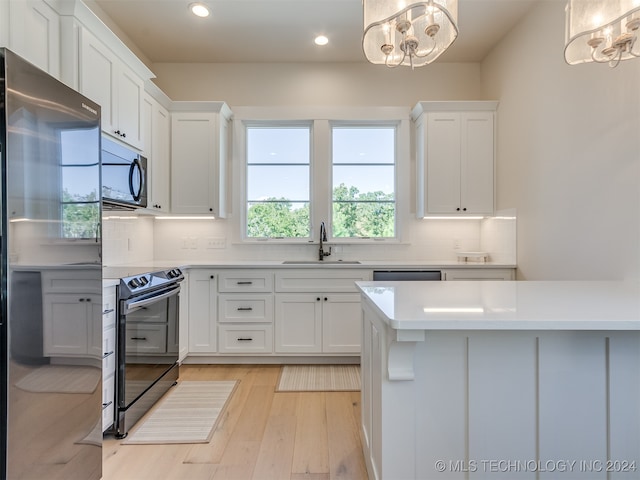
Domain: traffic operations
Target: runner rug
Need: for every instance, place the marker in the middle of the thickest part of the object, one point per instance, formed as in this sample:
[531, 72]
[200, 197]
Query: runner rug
[319, 378]
[188, 413]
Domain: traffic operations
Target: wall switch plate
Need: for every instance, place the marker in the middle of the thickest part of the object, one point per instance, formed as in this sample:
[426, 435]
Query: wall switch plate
[216, 242]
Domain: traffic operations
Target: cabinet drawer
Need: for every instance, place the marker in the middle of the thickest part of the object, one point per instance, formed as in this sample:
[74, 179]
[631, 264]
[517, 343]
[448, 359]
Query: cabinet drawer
[314, 281]
[71, 281]
[108, 398]
[245, 281]
[246, 338]
[245, 308]
[143, 338]
[108, 352]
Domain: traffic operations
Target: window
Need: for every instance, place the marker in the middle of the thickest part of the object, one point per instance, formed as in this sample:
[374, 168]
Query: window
[302, 172]
[363, 181]
[278, 181]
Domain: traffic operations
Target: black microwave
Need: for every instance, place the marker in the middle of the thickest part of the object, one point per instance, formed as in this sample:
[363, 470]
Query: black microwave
[124, 177]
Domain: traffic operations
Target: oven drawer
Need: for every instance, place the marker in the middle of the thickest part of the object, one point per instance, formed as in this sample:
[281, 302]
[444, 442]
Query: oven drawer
[245, 338]
[245, 281]
[146, 339]
[245, 308]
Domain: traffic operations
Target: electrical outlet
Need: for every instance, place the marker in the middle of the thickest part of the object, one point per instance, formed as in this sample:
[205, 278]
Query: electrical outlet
[216, 242]
[183, 243]
[456, 244]
[192, 242]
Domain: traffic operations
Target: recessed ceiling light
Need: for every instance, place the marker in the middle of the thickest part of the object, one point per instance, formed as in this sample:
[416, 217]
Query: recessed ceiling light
[321, 40]
[199, 9]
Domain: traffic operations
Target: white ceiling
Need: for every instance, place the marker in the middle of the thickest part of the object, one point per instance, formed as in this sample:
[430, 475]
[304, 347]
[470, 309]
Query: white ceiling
[283, 30]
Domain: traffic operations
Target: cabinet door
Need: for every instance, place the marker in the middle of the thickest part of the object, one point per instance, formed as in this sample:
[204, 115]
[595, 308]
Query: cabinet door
[202, 312]
[160, 161]
[98, 77]
[341, 323]
[67, 324]
[298, 323]
[34, 34]
[443, 163]
[129, 93]
[193, 154]
[477, 163]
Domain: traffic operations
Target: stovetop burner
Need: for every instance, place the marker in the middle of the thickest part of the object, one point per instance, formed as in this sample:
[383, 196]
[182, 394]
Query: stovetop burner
[147, 282]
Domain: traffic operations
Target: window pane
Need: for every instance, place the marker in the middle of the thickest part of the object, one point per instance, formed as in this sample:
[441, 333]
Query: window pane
[278, 177]
[352, 219]
[364, 145]
[363, 180]
[367, 179]
[278, 219]
[278, 145]
[290, 182]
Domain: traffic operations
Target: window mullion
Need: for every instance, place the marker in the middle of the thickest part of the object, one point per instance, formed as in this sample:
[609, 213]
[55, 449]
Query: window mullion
[320, 177]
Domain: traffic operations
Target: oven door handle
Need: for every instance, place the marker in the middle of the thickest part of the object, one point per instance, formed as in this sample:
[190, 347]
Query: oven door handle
[133, 304]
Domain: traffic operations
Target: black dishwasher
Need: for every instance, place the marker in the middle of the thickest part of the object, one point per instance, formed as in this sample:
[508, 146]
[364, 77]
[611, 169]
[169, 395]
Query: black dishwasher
[406, 275]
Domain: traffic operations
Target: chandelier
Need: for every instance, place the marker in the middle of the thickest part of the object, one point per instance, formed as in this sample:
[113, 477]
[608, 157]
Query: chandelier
[602, 31]
[412, 35]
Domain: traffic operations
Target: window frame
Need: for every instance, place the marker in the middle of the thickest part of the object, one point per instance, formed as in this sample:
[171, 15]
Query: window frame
[245, 178]
[345, 124]
[320, 118]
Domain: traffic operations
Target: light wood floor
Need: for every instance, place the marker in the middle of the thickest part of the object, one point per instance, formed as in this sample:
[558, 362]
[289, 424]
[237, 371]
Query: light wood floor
[263, 435]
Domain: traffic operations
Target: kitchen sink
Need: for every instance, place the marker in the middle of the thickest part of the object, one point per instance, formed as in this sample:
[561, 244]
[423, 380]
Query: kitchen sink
[321, 262]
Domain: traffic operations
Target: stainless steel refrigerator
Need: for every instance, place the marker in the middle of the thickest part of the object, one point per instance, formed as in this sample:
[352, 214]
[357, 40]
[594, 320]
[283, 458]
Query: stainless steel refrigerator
[51, 274]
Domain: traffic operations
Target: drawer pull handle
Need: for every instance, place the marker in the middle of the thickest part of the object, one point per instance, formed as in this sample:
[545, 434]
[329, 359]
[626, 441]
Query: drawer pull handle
[107, 354]
[248, 339]
[105, 405]
[244, 283]
[108, 311]
[138, 338]
[245, 309]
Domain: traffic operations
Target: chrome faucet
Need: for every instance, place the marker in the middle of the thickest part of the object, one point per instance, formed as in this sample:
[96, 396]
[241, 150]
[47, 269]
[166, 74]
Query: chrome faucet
[323, 238]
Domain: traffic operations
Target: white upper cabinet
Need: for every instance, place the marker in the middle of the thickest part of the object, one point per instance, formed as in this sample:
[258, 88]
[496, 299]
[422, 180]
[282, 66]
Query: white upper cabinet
[156, 121]
[200, 139]
[104, 78]
[33, 32]
[455, 157]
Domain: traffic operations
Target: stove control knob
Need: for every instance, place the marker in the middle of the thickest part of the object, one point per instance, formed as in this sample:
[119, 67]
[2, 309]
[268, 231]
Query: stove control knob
[178, 272]
[143, 281]
[134, 283]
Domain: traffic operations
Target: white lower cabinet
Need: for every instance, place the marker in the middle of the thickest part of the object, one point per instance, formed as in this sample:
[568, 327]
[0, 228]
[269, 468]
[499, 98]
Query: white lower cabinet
[478, 274]
[245, 312]
[108, 355]
[325, 320]
[202, 311]
[317, 323]
[72, 314]
[298, 323]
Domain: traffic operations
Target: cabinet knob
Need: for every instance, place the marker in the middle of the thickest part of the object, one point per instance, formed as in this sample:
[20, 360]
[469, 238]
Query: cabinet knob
[458, 209]
[318, 299]
[325, 299]
[211, 209]
[211, 277]
[464, 209]
[124, 135]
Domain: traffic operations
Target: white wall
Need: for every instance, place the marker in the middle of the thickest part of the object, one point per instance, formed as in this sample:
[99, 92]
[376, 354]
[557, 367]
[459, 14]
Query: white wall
[332, 84]
[568, 153]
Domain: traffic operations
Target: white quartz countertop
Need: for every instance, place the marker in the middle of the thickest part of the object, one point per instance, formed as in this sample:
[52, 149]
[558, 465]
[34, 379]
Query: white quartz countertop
[119, 271]
[506, 305]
